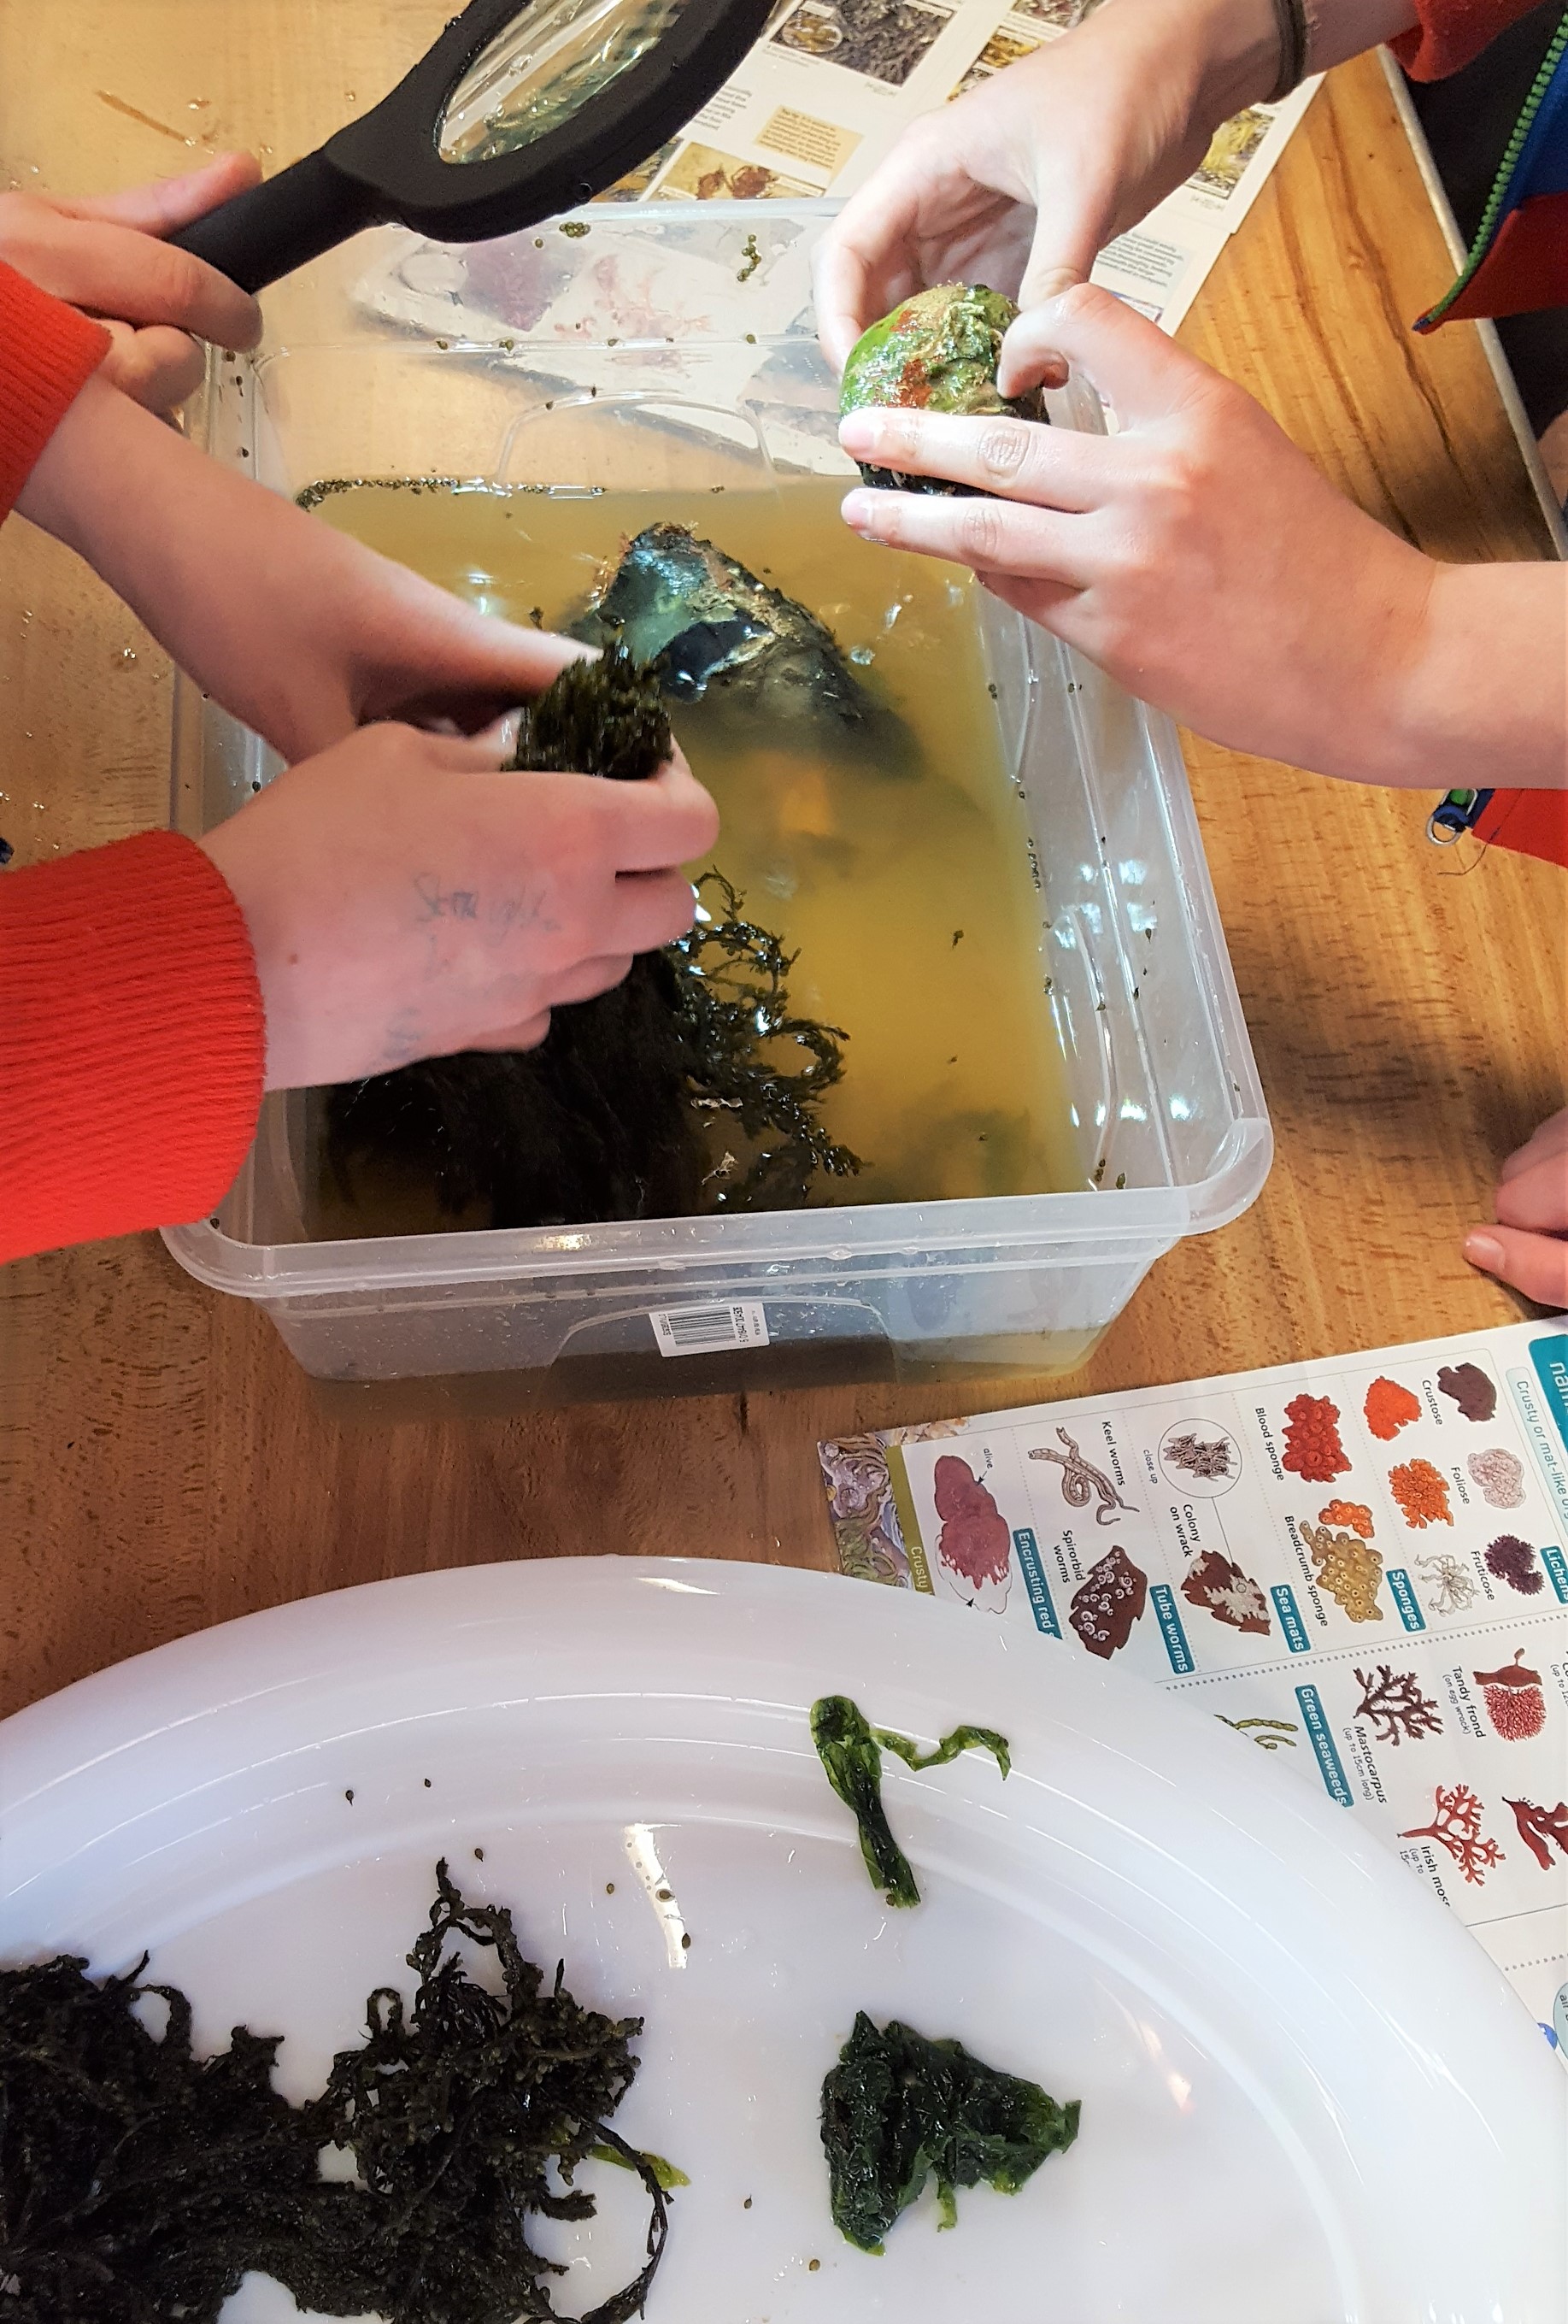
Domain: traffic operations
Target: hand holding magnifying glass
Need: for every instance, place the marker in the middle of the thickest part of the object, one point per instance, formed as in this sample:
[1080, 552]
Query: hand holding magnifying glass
[517, 113]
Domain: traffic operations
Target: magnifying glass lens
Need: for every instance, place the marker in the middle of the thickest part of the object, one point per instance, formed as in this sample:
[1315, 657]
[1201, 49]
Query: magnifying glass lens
[543, 69]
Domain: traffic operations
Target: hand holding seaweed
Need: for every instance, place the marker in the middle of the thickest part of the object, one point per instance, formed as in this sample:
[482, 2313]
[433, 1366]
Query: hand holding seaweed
[667, 1094]
[851, 1750]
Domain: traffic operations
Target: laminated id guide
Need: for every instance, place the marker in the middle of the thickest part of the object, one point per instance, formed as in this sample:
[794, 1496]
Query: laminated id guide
[1359, 1566]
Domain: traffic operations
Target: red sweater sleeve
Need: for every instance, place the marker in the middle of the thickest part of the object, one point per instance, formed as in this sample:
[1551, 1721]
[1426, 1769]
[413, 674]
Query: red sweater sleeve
[134, 1042]
[48, 353]
[1452, 31]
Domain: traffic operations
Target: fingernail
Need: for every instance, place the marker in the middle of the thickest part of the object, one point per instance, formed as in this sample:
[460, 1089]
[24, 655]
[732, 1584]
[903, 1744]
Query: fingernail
[1483, 1251]
[857, 513]
[857, 431]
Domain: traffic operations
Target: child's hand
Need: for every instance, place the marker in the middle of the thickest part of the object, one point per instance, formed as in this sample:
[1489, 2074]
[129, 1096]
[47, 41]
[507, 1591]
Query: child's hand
[1528, 1246]
[107, 257]
[1021, 183]
[406, 899]
[1196, 555]
[298, 630]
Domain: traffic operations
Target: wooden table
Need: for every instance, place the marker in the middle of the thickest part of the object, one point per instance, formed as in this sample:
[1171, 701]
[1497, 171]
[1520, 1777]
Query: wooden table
[162, 1463]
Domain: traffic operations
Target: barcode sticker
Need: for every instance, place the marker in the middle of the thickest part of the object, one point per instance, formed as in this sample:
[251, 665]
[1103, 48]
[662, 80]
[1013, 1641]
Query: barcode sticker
[704, 1331]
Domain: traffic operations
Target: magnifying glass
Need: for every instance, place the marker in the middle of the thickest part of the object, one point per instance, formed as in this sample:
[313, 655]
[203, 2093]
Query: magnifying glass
[521, 110]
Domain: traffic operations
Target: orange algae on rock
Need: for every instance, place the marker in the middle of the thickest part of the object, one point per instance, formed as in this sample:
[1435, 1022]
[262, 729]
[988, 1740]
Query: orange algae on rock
[1388, 1408]
[1422, 1493]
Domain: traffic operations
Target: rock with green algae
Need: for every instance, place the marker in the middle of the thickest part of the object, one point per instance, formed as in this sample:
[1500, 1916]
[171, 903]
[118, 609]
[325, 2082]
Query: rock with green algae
[936, 352]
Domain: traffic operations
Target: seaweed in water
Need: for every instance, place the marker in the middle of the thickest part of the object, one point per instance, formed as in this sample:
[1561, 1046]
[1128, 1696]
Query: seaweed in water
[899, 2109]
[138, 2182]
[670, 1094]
[850, 1749]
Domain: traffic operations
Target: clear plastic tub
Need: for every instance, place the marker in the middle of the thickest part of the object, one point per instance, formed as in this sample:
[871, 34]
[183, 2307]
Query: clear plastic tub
[671, 345]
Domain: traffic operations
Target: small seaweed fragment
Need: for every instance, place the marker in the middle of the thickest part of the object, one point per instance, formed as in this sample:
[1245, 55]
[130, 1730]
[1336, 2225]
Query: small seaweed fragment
[899, 2109]
[937, 351]
[850, 1750]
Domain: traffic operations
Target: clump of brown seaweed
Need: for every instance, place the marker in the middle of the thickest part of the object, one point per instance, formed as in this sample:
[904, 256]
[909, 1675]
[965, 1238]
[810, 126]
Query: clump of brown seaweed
[692, 1086]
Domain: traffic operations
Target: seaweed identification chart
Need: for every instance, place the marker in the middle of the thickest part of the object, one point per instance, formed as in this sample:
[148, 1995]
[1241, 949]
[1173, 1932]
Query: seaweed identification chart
[1360, 1566]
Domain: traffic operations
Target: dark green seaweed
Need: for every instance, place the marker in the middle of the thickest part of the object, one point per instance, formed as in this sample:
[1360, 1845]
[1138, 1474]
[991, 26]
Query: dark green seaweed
[628, 1108]
[851, 1750]
[138, 2184]
[898, 2110]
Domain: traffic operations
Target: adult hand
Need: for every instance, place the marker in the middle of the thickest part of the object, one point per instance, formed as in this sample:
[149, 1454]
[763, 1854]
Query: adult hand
[1022, 182]
[298, 630]
[1528, 1246]
[107, 257]
[1196, 555]
[407, 899]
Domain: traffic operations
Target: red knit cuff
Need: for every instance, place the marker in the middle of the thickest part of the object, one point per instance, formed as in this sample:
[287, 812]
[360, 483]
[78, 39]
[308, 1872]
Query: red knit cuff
[48, 353]
[134, 1042]
[1451, 33]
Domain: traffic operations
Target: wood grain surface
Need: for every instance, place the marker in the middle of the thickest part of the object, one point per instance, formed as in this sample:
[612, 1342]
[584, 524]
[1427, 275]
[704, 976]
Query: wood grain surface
[163, 1464]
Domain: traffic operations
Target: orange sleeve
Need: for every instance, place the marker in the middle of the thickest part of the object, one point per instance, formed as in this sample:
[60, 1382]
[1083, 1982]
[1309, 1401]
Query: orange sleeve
[47, 353]
[1452, 31]
[134, 1042]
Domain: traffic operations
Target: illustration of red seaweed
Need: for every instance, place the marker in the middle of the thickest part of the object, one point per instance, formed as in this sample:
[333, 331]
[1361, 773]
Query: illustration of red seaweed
[1456, 1826]
[1354, 1514]
[1221, 1588]
[975, 1542]
[1513, 1698]
[1501, 1474]
[1452, 1582]
[1388, 1408]
[1080, 1479]
[1311, 1440]
[1422, 1493]
[1107, 1601]
[1348, 1569]
[1513, 1561]
[1540, 1827]
[1200, 1456]
[1396, 1706]
[1474, 1391]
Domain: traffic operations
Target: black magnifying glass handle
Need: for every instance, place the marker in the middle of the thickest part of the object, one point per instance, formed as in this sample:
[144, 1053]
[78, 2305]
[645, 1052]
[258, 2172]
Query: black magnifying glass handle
[387, 167]
[263, 233]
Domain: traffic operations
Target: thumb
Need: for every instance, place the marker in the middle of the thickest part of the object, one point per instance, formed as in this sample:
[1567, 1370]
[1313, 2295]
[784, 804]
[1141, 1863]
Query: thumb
[1137, 369]
[169, 203]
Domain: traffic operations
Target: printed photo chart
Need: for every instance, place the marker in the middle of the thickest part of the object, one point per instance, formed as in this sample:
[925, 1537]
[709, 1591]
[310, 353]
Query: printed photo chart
[821, 99]
[1358, 1565]
[827, 91]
